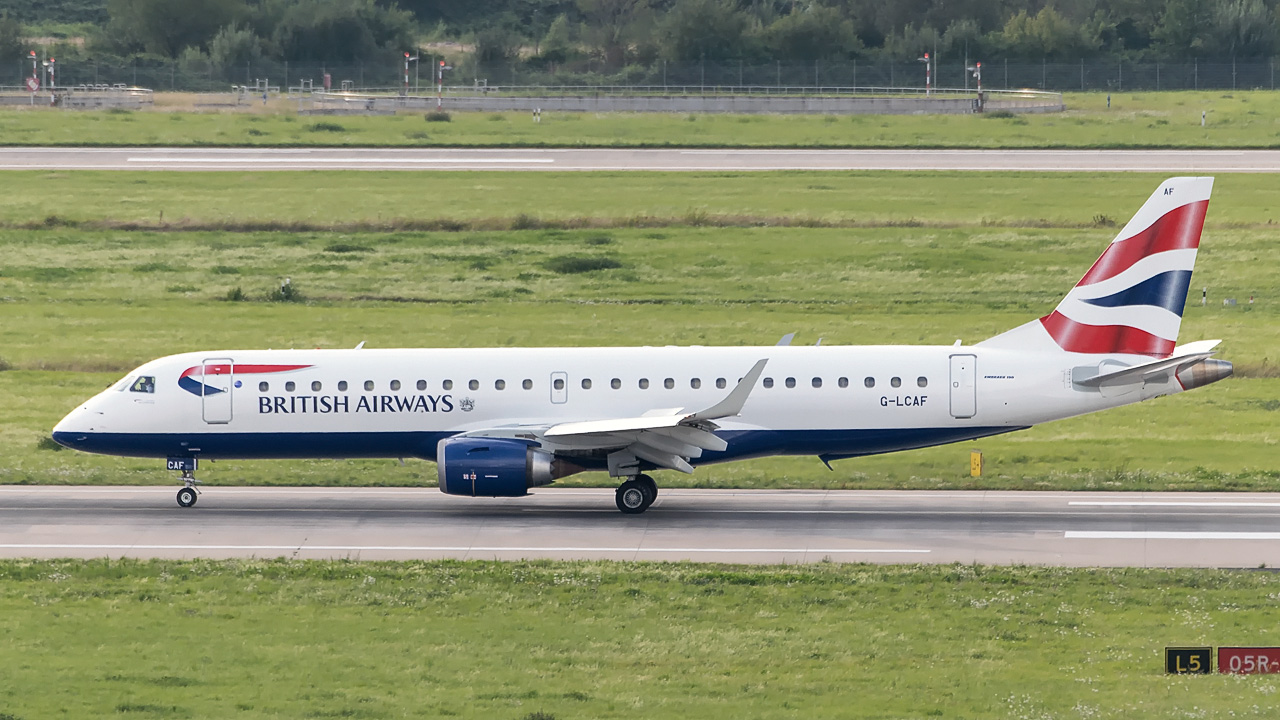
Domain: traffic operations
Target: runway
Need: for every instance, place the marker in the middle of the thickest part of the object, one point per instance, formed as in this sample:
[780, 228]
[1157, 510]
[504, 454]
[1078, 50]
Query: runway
[738, 159]
[739, 526]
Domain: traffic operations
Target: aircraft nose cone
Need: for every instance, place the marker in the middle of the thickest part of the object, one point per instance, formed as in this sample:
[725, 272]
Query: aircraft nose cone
[71, 431]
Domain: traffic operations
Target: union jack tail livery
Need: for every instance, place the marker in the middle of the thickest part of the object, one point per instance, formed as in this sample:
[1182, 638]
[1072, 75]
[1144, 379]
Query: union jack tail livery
[1131, 300]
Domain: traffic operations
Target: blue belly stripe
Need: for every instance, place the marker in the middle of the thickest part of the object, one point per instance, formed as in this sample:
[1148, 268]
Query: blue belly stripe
[743, 444]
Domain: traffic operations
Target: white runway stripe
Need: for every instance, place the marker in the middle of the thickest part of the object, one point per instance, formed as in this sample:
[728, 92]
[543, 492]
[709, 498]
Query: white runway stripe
[455, 548]
[1169, 503]
[353, 161]
[1167, 535]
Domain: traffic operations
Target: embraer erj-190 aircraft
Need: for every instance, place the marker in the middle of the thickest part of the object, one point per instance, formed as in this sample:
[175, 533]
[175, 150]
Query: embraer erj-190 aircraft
[500, 421]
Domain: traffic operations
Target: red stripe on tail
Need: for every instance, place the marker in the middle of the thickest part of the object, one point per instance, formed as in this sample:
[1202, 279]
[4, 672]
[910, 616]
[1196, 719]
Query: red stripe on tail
[1078, 337]
[1178, 229]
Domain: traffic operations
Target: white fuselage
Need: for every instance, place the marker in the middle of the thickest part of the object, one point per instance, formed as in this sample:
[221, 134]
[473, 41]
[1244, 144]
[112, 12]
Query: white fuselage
[832, 401]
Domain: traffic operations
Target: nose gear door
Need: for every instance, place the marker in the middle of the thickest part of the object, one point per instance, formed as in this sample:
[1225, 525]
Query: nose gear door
[217, 380]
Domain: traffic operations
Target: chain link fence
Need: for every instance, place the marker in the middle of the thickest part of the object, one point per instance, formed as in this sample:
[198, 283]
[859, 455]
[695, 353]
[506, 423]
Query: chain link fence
[202, 76]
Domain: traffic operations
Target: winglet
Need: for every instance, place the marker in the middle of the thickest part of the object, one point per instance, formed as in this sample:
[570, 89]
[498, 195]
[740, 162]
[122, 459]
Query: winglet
[732, 404]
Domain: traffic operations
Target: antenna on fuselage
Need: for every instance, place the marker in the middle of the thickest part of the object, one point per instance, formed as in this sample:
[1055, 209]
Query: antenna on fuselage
[786, 339]
[360, 346]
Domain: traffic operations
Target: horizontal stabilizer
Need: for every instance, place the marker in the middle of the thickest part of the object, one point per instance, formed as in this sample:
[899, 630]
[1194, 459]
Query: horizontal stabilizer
[1191, 352]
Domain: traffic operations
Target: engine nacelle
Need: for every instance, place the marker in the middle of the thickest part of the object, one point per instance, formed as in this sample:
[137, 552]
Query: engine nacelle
[494, 467]
[1204, 372]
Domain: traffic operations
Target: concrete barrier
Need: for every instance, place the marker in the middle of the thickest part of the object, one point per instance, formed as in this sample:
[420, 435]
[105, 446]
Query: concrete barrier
[951, 104]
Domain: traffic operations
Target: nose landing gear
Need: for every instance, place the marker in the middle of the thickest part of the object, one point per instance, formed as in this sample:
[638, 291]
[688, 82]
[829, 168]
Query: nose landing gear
[188, 495]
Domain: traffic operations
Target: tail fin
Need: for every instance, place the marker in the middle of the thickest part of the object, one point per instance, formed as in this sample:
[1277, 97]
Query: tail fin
[1131, 300]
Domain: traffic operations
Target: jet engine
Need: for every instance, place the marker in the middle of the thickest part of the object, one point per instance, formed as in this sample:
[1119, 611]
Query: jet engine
[495, 467]
[1203, 373]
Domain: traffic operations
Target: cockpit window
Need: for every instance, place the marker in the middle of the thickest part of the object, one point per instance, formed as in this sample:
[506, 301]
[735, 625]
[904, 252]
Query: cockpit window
[144, 384]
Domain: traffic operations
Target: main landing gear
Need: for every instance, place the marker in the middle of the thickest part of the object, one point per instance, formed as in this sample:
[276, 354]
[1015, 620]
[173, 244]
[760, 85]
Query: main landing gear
[636, 495]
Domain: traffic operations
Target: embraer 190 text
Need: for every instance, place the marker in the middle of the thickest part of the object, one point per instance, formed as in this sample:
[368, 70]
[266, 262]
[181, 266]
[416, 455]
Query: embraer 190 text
[500, 421]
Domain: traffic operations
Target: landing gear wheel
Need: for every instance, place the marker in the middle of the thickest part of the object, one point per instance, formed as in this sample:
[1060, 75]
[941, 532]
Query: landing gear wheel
[633, 497]
[650, 487]
[187, 497]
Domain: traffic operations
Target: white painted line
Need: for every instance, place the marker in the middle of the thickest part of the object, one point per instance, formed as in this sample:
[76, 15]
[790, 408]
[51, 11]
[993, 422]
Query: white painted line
[1165, 535]
[455, 548]
[350, 160]
[1163, 503]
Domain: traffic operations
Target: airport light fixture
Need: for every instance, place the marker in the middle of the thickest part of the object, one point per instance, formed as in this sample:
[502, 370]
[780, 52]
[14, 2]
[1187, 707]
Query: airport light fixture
[440, 83]
[928, 74]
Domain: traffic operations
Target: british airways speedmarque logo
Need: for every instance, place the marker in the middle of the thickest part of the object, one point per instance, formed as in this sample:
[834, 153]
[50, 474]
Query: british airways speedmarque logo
[192, 379]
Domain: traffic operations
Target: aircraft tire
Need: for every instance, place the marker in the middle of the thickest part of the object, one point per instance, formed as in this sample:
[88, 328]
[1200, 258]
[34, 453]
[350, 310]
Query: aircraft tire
[632, 497]
[650, 486]
[187, 497]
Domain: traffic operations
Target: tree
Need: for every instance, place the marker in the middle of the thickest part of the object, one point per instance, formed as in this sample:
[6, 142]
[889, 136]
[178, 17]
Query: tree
[1182, 31]
[558, 43]
[609, 24]
[812, 33]
[711, 29]
[1045, 34]
[1244, 28]
[341, 30]
[165, 27]
[13, 43]
[233, 48]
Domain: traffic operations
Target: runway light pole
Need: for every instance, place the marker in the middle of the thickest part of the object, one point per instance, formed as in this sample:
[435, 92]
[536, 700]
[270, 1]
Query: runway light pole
[440, 83]
[928, 74]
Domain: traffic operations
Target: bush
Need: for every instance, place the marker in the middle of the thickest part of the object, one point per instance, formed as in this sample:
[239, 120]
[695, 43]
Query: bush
[287, 292]
[327, 127]
[437, 116]
[235, 295]
[47, 443]
[999, 115]
[5, 365]
[346, 248]
[573, 264]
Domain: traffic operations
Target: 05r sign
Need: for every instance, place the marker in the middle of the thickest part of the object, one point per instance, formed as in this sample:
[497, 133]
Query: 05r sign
[1248, 660]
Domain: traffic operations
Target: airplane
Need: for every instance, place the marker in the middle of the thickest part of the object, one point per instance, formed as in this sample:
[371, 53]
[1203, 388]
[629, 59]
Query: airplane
[501, 421]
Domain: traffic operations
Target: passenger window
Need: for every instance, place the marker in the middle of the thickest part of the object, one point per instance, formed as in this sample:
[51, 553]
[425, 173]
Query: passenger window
[644, 383]
[527, 384]
[474, 384]
[817, 382]
[768, 382]
[558, 384]
[720, 383]
[315, 386]
[447, 385]
[342, 385]
[791, 382]
[144, 384]
[843, 382]
[869, 382]
[422, 384]
[695, 383]
[263, 387]
[896, 382]
[368, 384]
[615, 383]
[922, 381]
[586, 383]
[395, 385]
[499, 384]
[669, 383]
[289, 386]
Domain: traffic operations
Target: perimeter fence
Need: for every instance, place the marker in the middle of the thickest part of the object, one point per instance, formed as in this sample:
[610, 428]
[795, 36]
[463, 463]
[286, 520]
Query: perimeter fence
[703, 77]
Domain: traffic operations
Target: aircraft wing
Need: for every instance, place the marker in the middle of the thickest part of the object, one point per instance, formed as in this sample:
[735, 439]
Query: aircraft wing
[667, 438]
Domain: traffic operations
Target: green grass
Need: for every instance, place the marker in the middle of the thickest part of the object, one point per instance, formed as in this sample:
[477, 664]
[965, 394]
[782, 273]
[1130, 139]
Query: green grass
[1168, 119]
[252, 639]
[347, 200]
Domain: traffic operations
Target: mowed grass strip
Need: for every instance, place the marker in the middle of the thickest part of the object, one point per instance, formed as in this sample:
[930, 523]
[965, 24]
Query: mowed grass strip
[359, 201]
[1240, 119]
[273, 638]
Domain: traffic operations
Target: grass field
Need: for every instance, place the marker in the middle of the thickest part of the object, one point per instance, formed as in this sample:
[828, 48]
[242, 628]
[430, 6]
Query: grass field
[254, 639]
[85, 298]
[1245, 119]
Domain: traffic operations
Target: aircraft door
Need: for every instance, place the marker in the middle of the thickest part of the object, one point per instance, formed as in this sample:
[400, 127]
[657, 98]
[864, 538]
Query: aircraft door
[559, 387]
[964, 386]
[216, 382]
